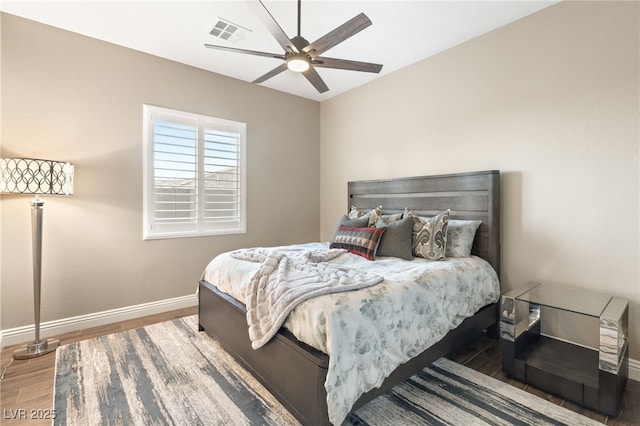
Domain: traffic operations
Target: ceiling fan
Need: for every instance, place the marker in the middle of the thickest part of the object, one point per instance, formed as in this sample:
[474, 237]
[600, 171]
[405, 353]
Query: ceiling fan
[302, 56]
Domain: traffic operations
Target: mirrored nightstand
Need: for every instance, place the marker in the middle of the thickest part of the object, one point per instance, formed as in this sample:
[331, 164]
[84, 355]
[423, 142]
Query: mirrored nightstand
[567, 341]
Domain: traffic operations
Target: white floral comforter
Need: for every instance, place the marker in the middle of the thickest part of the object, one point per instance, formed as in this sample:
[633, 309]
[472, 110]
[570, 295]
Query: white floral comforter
[368, 333]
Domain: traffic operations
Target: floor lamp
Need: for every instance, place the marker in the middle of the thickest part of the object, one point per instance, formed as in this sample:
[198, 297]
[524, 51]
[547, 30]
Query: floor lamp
[36, 177]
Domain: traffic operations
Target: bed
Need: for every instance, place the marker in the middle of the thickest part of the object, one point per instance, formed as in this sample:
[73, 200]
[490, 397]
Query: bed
[295, 372]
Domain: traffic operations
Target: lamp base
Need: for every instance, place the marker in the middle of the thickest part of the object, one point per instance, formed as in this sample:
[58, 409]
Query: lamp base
[37, 349]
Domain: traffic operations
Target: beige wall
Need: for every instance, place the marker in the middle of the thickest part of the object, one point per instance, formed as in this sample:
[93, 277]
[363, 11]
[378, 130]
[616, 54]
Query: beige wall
[72, 98]
[552, 101]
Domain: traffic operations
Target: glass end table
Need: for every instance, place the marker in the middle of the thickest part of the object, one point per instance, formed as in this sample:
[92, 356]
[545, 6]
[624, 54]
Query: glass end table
[567, 341]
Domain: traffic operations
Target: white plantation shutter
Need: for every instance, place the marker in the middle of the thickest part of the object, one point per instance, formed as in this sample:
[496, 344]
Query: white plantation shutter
[174, 185]
[222, 182]
[195, 175]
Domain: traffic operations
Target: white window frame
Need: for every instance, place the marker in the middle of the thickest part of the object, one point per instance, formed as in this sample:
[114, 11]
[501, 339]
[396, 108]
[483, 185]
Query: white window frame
[152, 229]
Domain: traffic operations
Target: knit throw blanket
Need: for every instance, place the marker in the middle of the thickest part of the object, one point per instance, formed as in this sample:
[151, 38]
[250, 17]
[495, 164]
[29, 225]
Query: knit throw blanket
[285, 280]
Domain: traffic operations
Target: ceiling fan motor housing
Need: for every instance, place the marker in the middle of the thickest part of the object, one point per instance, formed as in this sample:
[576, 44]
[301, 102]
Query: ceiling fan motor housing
[299, 62]
[299, 42]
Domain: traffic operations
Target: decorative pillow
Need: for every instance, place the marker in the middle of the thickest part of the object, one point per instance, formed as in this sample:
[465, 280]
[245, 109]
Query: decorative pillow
[373, 215]
[386, 219]
[430, 235]
[360, 222]
[460, 236]
[360, 241]
[397, 239]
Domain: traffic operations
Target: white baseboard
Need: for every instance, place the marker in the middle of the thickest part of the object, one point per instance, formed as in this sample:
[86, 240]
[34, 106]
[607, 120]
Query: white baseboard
[25, 334]
[634, 369]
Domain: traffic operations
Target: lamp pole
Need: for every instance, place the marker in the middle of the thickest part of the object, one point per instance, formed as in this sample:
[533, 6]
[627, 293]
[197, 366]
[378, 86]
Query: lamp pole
[38, 347]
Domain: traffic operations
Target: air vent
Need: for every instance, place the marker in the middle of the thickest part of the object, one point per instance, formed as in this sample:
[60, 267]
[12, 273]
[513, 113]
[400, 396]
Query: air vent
[229, 31]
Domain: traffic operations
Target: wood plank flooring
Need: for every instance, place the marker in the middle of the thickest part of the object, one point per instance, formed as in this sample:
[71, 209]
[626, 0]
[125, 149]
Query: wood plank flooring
[26, 390]
[484, 356]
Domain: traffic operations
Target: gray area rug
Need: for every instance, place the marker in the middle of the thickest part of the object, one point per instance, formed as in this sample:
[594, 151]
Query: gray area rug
[169, 373]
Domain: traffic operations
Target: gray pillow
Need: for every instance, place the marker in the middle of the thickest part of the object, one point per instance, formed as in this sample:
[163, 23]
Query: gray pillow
[397, 239]
[460, 236]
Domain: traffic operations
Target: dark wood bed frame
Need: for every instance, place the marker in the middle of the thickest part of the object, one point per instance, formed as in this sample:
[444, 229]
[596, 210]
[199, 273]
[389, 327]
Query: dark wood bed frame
[295, 372]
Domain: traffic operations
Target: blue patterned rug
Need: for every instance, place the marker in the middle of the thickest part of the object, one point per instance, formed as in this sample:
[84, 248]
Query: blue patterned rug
[169, 373]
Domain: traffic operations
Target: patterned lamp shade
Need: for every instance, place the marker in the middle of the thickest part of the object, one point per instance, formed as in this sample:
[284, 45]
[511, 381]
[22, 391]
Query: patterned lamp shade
[31, 176]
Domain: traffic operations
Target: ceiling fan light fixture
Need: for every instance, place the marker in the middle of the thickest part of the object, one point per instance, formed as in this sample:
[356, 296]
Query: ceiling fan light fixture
[298, 63]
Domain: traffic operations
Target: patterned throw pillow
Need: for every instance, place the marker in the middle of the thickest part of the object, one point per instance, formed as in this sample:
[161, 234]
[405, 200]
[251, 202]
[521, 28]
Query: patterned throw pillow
[360, 241]
[430, 235]
[373, 215]
[360, 222]
[460, 236]
[387, 219]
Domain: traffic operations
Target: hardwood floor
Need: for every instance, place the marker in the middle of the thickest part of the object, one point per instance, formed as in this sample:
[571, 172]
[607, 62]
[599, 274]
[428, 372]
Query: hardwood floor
[484, 356]
[26, 390]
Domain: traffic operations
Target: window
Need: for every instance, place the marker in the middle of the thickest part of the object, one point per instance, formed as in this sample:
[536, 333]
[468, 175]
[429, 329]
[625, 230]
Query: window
[194, 175]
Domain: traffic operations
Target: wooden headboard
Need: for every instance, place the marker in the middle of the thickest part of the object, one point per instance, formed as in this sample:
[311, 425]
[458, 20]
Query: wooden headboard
[470, 196]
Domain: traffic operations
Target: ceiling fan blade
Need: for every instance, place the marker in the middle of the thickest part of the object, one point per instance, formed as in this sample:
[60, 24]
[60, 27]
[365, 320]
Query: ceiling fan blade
[344, 64]
[338, 35]
[272, 25]
[248, 52]
[314, 78]
[277, 70]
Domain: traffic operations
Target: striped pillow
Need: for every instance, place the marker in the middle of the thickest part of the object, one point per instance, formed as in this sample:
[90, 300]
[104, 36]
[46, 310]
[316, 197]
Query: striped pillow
[360, 241]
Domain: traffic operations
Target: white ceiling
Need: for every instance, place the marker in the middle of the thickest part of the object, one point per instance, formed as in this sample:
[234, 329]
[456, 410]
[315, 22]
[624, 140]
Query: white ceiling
[403, 32]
